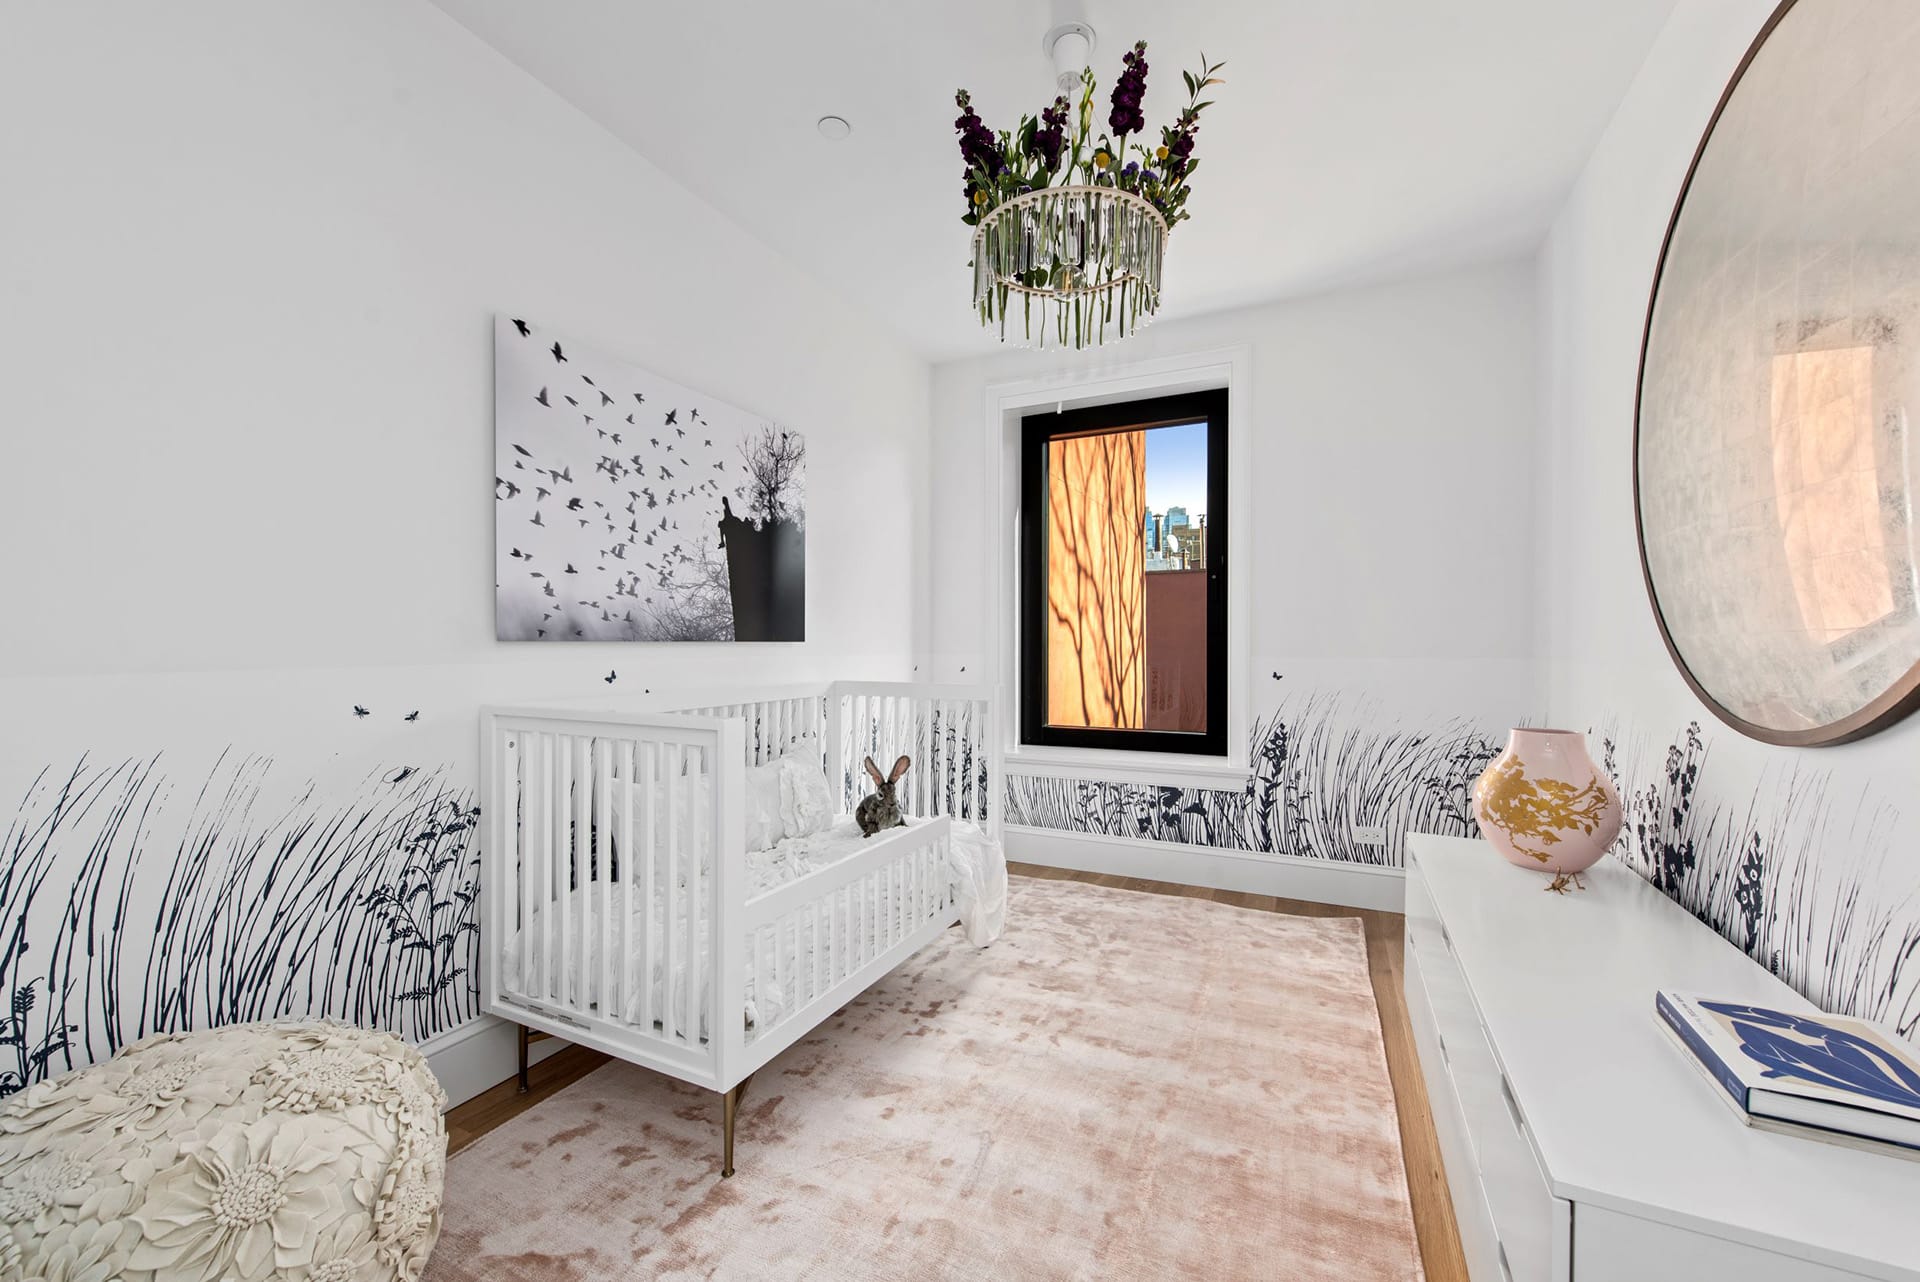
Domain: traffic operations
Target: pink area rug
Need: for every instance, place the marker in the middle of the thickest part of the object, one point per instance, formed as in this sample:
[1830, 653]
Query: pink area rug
[1126, 1086]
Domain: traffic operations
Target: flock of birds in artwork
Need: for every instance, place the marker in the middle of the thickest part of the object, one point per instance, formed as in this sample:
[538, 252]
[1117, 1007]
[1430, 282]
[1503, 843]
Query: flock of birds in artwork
[651, 464]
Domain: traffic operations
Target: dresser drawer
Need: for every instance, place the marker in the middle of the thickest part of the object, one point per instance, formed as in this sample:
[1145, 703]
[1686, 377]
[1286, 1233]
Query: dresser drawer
[1531, 1227]
[1478, 1242]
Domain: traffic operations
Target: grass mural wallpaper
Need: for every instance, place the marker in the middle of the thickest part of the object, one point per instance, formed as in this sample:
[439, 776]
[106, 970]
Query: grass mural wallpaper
[358, 906]
[1794, 875]
[1322, 764]
[1790, 869]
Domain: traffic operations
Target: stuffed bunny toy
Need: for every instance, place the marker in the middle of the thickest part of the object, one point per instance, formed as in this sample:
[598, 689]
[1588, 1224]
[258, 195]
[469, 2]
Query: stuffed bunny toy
[882, 809]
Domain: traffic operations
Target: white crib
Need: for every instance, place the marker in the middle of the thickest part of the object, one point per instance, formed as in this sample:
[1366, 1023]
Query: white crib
[644, 939]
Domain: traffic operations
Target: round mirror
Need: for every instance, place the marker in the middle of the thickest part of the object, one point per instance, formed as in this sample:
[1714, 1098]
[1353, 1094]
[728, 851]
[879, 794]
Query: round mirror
[1775, 475]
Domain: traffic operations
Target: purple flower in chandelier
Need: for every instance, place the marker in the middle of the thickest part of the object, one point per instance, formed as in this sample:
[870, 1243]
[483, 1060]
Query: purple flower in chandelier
[1051, 136]
[978, 147]
[1129, 91]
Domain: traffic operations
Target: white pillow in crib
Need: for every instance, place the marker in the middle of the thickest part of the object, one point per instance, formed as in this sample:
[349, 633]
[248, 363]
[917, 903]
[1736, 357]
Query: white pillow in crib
[806, 799]
[764, 830]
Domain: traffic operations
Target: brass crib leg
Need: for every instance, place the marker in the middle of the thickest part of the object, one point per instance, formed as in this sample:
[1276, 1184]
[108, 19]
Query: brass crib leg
[524, 1039]
[729, 1112]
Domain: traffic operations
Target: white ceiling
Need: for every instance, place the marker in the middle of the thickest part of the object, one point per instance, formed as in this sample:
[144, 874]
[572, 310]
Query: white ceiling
[1353, 140]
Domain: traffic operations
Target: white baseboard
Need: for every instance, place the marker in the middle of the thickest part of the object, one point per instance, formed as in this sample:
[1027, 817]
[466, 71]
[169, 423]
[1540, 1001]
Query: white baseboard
[479, 1055]
[1318, 880]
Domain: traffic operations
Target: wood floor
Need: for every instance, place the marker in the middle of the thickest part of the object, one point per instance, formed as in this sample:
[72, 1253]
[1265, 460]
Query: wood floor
[1426, 1181]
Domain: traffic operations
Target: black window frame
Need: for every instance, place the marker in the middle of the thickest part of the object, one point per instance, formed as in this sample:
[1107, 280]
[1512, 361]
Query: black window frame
[1036, 431]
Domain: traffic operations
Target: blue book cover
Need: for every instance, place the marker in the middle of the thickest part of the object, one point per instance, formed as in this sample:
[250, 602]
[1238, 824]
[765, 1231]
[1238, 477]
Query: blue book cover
[1829, 1072]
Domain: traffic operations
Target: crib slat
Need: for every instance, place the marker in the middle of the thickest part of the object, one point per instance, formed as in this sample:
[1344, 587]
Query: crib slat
[897, 901]
[863, 724]
[951, 783]
[582, 969]
[540, 972]
[694, 964]
[923, 752]
[563, 869]
[779, 970]
[818, 943]
[833, 938]
[519, 830]
[966, 766]
[896, 733]
[896, 729]
[603, 866]
[623, 972]
[911, 876]
[671, 762]
[555, 816]
[760, 979]
[933, 756]
[647, 799]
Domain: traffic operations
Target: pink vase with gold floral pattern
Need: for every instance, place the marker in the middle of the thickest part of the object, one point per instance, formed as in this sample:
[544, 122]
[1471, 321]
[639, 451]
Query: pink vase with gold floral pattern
[1545, 805]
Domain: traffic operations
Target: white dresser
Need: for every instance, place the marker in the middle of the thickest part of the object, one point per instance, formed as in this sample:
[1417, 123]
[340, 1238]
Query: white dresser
[1580, 1144]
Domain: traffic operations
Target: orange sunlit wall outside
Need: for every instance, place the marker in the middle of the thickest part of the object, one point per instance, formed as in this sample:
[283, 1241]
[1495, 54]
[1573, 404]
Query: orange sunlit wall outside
[1096, 627]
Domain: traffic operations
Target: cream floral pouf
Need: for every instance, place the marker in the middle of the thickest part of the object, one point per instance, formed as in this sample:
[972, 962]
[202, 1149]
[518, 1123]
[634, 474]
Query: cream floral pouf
[282, 1150]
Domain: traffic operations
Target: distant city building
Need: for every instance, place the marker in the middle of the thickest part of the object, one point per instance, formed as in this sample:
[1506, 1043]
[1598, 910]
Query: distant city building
[1172, 541]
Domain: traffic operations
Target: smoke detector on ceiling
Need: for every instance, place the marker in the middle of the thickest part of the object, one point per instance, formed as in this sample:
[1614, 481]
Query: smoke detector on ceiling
[833, 128]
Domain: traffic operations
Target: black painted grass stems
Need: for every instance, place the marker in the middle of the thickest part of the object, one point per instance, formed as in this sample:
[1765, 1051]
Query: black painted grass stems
[1777, 881]
[1320, 771]
[32, 851]
[86, 947]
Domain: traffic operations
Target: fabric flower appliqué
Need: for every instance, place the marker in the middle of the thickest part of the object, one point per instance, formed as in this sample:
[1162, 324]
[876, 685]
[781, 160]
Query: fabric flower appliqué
[169, 1094]
[85, 1252]
[31, 1190]
[247, 1203]
[332, 1077]
[344, 1253]
[406, 1217]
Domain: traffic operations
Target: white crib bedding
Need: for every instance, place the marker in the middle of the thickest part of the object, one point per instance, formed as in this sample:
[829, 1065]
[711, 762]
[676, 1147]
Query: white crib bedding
[976, 865]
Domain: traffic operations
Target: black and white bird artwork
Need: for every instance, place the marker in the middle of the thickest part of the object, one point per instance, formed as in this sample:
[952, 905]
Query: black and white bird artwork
[720, 559]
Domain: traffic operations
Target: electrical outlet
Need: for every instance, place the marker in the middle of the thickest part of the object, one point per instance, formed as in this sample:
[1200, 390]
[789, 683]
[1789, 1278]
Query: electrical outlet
[1369, 835]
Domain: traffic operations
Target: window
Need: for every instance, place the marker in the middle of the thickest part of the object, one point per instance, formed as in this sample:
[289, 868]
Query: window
[1826, 478]
[1123, 611]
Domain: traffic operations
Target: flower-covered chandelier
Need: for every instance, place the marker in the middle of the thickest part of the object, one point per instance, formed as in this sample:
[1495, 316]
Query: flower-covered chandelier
[1070, 229]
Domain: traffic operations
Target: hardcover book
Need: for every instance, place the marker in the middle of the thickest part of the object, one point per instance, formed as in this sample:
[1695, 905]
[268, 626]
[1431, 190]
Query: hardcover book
[1829, 1074]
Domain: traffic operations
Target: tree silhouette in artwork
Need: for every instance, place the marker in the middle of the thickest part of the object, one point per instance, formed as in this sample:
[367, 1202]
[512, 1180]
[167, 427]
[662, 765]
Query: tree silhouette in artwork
[700, 605]
[1096, 495]
[775, 461]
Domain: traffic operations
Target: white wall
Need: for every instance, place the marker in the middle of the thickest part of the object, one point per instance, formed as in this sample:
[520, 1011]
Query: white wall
[1391, 499]
[1827, 821]
[249, 256]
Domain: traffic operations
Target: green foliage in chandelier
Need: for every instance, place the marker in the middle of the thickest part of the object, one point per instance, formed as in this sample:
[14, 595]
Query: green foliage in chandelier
[1058, 148]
